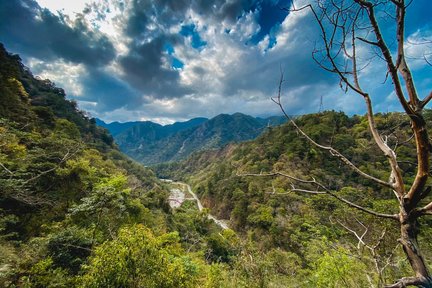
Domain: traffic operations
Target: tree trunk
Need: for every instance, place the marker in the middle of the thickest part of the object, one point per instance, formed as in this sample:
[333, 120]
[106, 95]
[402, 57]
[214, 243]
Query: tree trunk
[409, 232]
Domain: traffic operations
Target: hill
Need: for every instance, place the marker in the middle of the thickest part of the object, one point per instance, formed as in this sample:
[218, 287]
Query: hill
[314, 229]
[151, 143]
[69, 200]
[76, 212]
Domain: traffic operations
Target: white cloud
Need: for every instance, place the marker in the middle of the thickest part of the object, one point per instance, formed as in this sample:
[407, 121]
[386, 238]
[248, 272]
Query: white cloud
[229, 74]
[68, 7]
[59, 71]
[418, 46]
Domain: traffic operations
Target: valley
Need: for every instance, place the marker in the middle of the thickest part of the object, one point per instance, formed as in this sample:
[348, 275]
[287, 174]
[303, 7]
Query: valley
[151, 143]
[215, 144]
[180, 192]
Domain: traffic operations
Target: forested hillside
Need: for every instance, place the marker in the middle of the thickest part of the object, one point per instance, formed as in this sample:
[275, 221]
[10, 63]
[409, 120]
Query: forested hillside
[327, 243]
[152, 143]
[149, 130]
[76, 212]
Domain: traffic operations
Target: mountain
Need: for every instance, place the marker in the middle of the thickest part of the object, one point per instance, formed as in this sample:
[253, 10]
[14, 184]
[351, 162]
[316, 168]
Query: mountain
[76, 212]
[152, 143]
[268, 189]
[116, 127]
[67, 194]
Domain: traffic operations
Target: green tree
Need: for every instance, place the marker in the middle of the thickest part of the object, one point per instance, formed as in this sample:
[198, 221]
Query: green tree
[137, 258]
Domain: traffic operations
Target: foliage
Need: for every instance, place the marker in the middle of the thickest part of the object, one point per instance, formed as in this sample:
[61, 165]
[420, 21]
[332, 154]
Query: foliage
[64, 186]
[137, 258]
[76, 212]
[267, 213]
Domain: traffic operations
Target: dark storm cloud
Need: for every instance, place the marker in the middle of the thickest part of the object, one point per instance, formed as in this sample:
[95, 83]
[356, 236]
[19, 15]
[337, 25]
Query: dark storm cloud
[176, 59]
[299, 70]
[143, 68]
[168, 12]
[108, 92]
[164, 13]
[27, 28]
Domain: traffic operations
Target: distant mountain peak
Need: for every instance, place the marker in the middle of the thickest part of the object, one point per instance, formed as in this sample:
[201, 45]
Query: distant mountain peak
[152, 143]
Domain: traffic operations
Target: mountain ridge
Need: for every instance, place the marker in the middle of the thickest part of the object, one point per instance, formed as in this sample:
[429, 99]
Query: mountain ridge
[143, 141]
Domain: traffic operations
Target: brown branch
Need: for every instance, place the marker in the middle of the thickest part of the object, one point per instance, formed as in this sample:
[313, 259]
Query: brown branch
[426, 100]
[331, 150]
[306, 191]
[398, 185]
[387, 55]
[371, 212]
[422, 141]
[388, 152]
[391, 155]
[277, 173]
[401, 64]
[326, 191]
[411, 281]
[397, 3]
[408, 98]
[426, 210]
[367, 41]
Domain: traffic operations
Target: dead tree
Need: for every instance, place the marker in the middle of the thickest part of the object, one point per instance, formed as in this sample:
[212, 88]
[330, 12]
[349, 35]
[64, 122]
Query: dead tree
[345, 26]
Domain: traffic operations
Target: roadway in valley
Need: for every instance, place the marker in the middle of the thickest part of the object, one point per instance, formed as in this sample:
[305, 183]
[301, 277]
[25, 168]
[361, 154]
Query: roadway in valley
[177, 197]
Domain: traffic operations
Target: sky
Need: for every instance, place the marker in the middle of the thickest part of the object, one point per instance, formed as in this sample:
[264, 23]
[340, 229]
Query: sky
[173, 60]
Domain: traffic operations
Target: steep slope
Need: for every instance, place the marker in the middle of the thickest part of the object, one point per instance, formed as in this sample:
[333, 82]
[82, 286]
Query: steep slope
[51, 154]
[76, 212]
[275, 213]
[65, 190]
[152, 143]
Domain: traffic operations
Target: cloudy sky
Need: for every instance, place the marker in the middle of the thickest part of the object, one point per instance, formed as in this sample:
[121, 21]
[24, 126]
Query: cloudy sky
[171, 60]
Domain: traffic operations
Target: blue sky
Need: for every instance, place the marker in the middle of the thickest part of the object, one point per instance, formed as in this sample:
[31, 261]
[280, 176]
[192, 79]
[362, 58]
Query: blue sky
[167, 61]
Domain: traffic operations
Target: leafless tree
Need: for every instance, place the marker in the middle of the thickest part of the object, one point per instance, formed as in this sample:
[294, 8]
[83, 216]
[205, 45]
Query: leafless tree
[346, 26]
[380, 263]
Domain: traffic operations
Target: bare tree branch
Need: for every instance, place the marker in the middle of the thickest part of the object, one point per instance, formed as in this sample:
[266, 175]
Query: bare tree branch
[426, 100]
[324, 190]
[367, 41]
[426, 210]
[335, 31]
[387, 55]
[427, 61]
[410, 281]
[331, 150]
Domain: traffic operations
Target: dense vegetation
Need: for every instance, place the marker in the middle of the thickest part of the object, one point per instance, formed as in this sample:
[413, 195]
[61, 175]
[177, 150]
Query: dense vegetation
[76, 212]
[152, 143]
[313, 235]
